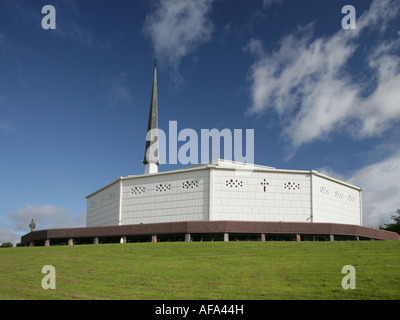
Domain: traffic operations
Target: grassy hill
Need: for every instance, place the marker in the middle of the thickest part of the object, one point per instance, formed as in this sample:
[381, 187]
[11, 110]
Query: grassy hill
[204, 270]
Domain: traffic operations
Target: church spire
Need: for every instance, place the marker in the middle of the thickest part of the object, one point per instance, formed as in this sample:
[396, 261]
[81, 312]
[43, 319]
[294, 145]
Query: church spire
[151, 158]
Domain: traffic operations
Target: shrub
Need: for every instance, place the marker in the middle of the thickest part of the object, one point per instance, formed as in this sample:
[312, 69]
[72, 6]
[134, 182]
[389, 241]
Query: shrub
[6, 245]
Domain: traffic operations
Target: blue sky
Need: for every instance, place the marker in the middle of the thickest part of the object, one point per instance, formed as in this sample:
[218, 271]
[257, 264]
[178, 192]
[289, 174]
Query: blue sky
[74, 101]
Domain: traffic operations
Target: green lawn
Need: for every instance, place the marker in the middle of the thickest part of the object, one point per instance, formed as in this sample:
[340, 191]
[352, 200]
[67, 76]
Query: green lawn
[204, 270]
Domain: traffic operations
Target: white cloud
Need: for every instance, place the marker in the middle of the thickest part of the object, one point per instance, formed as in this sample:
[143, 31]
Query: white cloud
[177, 28]
[46, 217]
[382, 107]
[379, 14]
[9, 236]
[306, 81]
[331, 173]
[380, 182]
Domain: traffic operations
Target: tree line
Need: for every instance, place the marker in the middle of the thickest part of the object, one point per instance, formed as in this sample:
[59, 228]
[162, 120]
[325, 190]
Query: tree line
[394, 227]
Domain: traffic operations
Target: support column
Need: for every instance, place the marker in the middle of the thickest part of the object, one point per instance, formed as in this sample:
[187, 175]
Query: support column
[47, 243]
[122, 240]
[226, 236]
[188, 238]
[154, 238]
[357, 238]
[262, 236]
[70, 242]
[298, 237]
[32, 243]
[331, 237]
[96, 240]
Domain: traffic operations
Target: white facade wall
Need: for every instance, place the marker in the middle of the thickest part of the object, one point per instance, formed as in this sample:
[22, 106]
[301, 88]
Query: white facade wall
[335, 202]
[261, 196]
[103, 207]
[170, 197]
[219, 192]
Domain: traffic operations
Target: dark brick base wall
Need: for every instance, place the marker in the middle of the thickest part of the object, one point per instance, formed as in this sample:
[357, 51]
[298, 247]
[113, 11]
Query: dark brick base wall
[241, 229]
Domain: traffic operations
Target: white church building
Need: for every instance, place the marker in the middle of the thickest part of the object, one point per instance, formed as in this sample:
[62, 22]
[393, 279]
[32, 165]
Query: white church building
[221, 190]
[220, 200]
[225, 190]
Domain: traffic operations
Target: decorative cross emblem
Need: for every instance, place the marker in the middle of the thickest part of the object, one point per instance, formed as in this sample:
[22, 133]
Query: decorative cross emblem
[265, 184]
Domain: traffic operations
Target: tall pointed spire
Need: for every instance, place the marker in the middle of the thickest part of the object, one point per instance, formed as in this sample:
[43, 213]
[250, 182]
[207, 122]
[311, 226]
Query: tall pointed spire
[151, 157]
